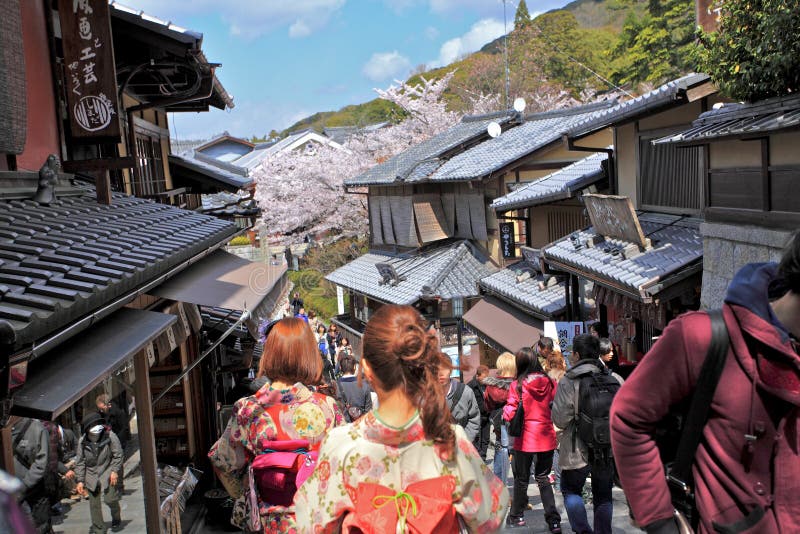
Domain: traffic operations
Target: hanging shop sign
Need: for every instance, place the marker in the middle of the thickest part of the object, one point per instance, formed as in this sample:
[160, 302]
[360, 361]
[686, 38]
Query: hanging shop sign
[563, 333]
[614, 216]
[507, 239]
[91, 78]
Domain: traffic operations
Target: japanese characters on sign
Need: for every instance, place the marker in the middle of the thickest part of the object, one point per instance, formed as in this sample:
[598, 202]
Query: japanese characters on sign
[507, 239]
[563, 333]
[91, 81]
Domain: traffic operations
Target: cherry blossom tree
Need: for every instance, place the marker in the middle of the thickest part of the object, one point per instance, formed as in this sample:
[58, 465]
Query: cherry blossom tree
[302, 192]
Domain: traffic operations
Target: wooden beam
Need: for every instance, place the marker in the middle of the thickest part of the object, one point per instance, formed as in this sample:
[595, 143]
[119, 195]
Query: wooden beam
[147, 442]
[102, 182]
[101, 164]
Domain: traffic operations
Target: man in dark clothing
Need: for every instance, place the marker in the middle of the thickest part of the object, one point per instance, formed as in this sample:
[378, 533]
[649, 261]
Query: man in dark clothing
[31, 458]
[115, 417]
[481, 441]
[752, 427]
[574, 456]
[296, 304]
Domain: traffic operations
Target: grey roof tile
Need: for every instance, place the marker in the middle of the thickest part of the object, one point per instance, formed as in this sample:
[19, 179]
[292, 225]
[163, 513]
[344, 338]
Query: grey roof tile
[536, 132]
[448, 271]
[561, 184]
[734, 120]
[228, 176]
[677, 244]
[401, 166]
[526, 294]
[669, 93]
[91, 255]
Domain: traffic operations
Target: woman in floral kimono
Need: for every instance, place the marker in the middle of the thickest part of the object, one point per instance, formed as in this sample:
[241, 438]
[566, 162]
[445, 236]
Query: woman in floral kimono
[403, 467]
[285, 409]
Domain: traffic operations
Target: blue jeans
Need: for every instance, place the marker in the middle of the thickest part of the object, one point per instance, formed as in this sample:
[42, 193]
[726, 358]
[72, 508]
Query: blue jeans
[500, 464]
[572, 481]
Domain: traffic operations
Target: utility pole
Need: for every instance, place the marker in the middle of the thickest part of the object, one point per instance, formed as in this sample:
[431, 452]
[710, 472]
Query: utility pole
[505, 53]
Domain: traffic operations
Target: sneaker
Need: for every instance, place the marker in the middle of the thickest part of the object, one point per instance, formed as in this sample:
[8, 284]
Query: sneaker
[514, 522]
[116, 525]
[555, 526]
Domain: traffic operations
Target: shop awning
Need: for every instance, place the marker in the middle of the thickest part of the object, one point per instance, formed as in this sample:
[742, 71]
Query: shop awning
[56, 382]
[224, 280]
[503, 326]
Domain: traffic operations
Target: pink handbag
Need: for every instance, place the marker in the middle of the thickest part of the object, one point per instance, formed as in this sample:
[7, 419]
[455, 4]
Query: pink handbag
[281, 469]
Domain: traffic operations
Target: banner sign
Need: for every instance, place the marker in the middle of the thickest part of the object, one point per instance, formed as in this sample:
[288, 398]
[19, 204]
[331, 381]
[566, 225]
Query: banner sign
[507, 239]
[91, 77]
[563, 333]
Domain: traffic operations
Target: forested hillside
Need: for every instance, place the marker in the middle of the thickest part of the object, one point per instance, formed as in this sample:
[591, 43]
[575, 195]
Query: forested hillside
[588, 47]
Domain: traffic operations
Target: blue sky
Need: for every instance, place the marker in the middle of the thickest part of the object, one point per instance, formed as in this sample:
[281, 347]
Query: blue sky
[286, 59]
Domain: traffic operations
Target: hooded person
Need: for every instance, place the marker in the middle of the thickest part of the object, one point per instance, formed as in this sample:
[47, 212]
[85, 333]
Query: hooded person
[752, 427]
[97, 466]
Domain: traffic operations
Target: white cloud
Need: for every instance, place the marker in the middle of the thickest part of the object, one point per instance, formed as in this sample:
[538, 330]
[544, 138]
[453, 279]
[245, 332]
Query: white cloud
[482, 32]
[249, 18]
[431, 33]
[386, 65]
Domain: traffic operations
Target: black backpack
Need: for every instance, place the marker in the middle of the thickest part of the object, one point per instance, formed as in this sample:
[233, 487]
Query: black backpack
[596, 392]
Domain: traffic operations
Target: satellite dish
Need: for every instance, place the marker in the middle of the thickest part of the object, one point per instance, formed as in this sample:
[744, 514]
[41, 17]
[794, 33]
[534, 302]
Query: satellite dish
[493, 129]
[519, 105]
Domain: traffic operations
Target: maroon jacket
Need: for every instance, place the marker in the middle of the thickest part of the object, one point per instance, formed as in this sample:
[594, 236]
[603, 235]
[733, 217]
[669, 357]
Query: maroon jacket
[758, 394]
[538, 433]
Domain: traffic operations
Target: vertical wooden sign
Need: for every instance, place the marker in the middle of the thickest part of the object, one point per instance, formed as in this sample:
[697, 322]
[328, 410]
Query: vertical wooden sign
[91, 78]
[507, 245]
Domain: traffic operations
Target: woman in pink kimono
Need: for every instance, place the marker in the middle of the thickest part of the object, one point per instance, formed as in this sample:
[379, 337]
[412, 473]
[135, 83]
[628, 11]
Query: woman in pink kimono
[403, 467]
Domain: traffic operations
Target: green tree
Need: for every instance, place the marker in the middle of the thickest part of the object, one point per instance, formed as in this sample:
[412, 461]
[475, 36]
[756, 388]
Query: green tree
[656, 46]
[755, 53]
[523, 17]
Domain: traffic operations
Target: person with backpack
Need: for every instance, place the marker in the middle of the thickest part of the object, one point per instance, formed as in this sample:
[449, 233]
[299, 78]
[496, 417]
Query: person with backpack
[532, 392]
[581, 409]
[30, 443]
[355, 397]
[746, 461]
[97, 467]
[271, 441]
[461, 402]
[404, 466]
[478, 389]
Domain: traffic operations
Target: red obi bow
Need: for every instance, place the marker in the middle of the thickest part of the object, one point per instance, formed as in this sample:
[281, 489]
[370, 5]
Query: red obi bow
[421, 508]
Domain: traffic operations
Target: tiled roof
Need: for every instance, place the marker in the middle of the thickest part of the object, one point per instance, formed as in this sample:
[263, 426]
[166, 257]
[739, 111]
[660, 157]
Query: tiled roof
[403, 165]
[229, 176]
[526, 294]
[676, 245]
[263, 151]
[666, 95]
[515, 143]
[741, 120]
[229, 204]
[62, 262]
[448, 272]
[558, 185]
[341, 134]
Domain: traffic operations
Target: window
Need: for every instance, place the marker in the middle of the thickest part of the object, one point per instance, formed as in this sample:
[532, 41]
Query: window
[671, 177]
[150, 165]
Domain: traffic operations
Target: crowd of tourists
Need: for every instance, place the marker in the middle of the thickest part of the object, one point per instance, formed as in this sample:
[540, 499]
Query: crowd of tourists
[298, 457]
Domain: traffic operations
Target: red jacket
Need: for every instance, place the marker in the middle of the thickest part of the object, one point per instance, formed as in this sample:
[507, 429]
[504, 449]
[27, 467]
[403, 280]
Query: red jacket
[538, 433]
[751, 399]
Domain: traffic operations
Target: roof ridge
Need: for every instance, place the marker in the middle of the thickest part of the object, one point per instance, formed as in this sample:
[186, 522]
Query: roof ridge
[491, 115]
[573, 110]
[459, 251]
[736, 110]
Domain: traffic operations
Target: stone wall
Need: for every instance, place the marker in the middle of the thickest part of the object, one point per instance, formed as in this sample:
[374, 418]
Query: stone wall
[727, 247]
